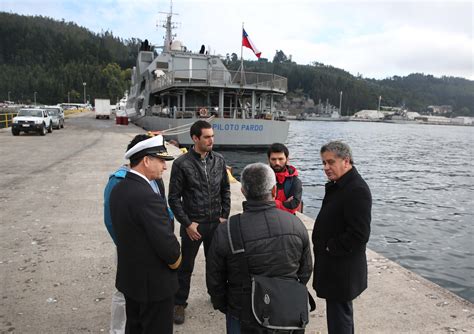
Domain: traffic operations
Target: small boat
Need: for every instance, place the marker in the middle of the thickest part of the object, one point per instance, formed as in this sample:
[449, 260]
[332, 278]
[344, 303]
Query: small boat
[173, 89]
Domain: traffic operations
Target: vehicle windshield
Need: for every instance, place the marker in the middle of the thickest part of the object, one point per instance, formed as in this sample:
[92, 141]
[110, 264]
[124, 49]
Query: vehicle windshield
[53, 112]
[30, 112]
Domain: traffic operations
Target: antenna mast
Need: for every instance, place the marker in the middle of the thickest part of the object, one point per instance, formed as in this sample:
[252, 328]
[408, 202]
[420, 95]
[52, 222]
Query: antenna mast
[169, 26]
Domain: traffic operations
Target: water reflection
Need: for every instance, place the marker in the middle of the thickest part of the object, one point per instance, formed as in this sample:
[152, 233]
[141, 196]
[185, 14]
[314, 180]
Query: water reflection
[422, 186]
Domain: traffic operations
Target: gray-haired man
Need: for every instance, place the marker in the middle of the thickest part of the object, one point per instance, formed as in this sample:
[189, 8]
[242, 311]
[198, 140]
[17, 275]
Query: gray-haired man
[341, 232]
[276, 243]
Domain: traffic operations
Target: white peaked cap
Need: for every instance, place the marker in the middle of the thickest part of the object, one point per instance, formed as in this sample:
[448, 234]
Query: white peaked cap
[153, 146]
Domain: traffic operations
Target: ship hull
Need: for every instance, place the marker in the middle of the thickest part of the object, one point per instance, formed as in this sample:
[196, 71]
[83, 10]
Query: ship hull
[228, 132]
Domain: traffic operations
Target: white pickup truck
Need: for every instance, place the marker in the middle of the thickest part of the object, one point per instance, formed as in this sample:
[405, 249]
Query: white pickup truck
[32, 120]
[102, 108]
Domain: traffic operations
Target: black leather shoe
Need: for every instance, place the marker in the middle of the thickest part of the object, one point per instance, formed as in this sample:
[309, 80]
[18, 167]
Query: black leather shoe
[178, 314]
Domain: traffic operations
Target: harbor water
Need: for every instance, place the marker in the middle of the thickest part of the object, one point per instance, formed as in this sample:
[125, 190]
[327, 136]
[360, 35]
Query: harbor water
[422, 183]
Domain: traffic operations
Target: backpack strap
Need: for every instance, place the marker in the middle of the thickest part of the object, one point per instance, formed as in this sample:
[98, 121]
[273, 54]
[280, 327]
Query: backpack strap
[235, 235]
[237, 247]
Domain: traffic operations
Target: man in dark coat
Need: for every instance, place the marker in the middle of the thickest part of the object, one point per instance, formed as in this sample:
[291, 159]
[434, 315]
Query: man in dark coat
[200, 199]
[276, 245]
[148, 251]
[289, 187]
[340, 235]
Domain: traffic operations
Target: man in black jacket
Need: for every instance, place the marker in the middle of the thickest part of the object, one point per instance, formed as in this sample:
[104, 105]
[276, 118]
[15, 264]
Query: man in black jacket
[340, 235]
[276, 245]
[199, 197]
[148, 251]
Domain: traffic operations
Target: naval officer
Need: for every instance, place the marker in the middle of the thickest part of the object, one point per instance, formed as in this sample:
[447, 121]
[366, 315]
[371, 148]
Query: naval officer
[148, 250]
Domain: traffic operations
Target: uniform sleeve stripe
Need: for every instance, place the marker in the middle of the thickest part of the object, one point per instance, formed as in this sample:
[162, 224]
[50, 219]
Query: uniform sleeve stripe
[176, 264]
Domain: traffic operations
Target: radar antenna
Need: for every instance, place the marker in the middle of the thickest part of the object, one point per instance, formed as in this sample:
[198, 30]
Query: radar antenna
[169, 26]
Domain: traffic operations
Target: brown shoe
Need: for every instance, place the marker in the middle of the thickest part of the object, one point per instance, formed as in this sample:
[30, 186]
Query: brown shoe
[179, 314]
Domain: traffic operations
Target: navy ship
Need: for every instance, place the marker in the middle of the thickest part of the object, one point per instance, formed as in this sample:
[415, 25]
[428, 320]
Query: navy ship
[172, 89]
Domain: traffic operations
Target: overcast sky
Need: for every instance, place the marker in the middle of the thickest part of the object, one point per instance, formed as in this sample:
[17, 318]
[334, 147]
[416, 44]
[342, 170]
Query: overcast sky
[377, 39]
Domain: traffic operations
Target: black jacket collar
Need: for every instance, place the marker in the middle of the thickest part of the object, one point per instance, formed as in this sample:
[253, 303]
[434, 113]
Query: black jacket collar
[198, 156]
[345, 179]
[258, 205]
[136, 177]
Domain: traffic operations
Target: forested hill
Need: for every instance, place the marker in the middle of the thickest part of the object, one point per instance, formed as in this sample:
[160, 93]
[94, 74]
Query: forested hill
[54, 58]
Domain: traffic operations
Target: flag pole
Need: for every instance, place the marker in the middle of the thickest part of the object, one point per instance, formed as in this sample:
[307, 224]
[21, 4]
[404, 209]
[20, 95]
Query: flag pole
[242, 54]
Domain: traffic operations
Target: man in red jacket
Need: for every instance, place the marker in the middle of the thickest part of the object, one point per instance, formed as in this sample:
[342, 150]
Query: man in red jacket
[289, 187]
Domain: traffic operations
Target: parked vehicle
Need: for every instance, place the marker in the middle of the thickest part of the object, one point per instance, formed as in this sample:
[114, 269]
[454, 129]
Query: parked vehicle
[32, 120]
[102, 108]
[57, 116]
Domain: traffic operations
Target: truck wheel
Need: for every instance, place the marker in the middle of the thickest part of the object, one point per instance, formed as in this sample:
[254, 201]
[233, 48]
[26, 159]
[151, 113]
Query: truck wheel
[50, 128]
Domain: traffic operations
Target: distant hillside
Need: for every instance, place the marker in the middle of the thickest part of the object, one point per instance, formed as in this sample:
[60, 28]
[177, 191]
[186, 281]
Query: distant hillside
[324, 82]
[54, 58]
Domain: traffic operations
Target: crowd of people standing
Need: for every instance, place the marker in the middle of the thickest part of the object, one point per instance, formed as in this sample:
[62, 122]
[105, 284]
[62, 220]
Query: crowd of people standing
[154, 268]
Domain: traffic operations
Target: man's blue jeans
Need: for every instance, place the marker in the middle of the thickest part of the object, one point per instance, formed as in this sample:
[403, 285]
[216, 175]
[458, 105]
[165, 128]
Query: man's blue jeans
[232, 324]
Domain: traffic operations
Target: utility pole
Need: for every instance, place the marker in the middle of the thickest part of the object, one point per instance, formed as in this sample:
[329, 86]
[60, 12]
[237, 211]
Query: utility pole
[380, 99]
[84, 84]
[68, 99]
[340, 103]
[9, 96]
[35, 97]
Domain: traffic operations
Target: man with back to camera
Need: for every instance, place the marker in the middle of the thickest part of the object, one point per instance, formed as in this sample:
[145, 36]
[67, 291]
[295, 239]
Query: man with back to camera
[276, 242]
[289, 187]
[148, 251]
[199, 197]
[340, 235]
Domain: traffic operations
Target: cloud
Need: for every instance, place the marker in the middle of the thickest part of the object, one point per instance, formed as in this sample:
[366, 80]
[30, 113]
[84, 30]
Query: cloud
[375, 38]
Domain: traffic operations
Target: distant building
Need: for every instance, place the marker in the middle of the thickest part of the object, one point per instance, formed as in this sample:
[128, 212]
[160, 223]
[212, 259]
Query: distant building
[463, 120]
[439, 110]
[369, 114]
[434, 119]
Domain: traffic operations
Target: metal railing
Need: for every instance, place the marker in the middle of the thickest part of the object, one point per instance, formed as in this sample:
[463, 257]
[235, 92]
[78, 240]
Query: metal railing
[6, 119]
[227, 112]
[220, 77]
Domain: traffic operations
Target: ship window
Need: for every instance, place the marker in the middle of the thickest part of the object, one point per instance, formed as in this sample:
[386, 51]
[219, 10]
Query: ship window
[162, 65]
[146, 56]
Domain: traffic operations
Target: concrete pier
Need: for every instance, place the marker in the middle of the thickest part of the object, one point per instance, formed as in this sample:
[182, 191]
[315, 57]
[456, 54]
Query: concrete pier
[57, 264]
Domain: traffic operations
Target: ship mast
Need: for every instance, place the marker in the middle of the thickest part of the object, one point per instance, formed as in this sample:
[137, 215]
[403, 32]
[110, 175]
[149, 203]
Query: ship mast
[169, 26]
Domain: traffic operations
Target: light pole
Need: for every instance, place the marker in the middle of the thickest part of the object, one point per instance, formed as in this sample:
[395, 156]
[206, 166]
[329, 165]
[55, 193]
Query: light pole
[84, 84]
[380, 99]
[68, 99]
[9, 96]
[340, 103]
[35, 97]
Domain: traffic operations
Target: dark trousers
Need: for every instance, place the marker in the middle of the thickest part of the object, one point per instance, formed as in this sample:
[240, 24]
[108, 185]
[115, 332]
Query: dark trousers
[189, 250]
[234, 326]
[339, 317]
[151, 317]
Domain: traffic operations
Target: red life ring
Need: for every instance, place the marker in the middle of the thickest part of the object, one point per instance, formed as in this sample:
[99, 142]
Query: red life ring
[203, 112]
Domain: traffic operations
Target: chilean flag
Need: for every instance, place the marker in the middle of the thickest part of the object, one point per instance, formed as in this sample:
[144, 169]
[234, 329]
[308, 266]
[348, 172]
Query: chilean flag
[248, 43]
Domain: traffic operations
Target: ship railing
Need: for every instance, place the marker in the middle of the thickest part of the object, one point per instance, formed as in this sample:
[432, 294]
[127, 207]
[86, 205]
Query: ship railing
[204, 112]
[220, 77]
